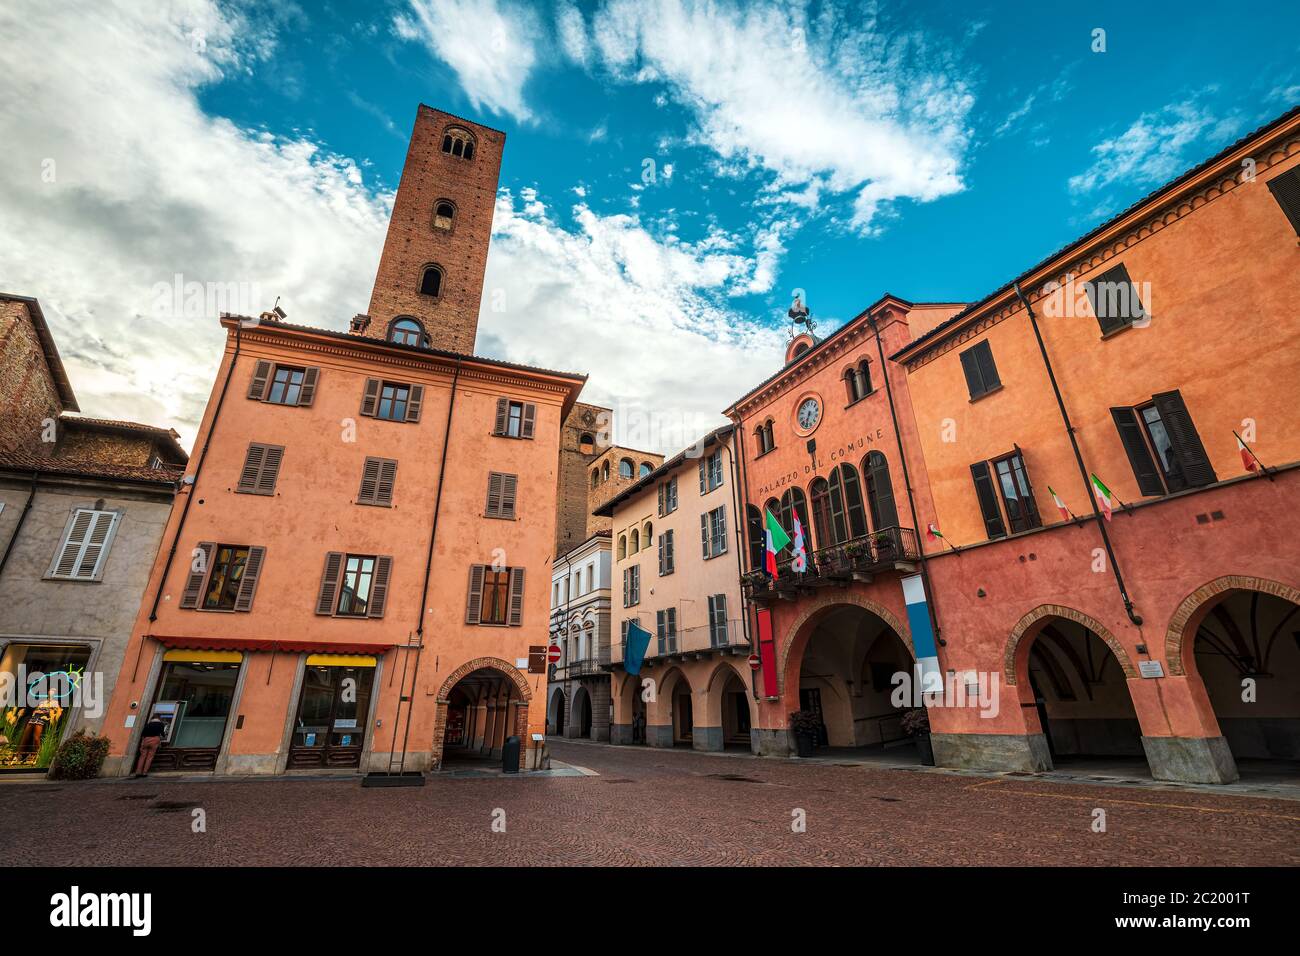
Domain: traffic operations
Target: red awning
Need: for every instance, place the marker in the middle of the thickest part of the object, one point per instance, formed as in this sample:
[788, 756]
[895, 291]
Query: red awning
[251, 644]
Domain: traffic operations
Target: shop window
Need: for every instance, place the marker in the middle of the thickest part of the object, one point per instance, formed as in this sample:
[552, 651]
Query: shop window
[195, 691]
[30, 732]
[333, 707]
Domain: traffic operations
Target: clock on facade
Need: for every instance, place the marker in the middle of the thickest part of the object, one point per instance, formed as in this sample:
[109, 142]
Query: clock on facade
[808, 414]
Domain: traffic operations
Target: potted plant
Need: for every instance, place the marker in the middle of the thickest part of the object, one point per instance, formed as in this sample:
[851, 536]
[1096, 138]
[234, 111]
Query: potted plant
[79, 757]
[886, 546]
[805, 725]
[916, 723]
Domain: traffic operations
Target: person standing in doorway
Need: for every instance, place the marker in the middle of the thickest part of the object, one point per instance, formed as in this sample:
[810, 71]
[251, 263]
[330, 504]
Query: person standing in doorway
[150, 740]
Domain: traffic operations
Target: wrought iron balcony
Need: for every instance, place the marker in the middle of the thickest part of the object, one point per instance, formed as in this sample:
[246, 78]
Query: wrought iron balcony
[885, 549]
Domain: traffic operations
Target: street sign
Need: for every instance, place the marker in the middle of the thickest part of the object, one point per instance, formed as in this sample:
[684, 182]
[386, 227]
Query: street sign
[754, 661]
[553, 655]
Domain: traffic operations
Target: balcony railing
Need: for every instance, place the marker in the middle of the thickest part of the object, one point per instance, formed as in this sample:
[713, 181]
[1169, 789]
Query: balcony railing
[699, 640]
[882, 550]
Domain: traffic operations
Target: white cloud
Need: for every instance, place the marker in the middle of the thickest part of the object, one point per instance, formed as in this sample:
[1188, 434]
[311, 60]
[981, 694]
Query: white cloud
[146, 186]
[823, 101]
[490, 44]
[1151, 150]
[645, 314]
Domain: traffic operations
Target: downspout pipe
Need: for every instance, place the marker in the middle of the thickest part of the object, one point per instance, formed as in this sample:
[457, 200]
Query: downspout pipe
[742, 530]
[932, 603]
[1078, 459]
[198, 468]
[740, 462]
[22, 519]
[428, 571]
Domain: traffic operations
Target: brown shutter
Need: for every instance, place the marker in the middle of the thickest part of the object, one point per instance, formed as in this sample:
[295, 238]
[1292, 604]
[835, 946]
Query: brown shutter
[248, 583]
[516, 596]
[509, 487]
[194, 583]
[1139, 456]
[474, 606]
[988, 500]
[307, 394]
[379, 586]
[1286, 190]
[252, 468]
[1187, 443]
[261, 377]
[329, 583]
[413, 403]
[370, 397]
[493, 508]
[274, 454]
[387, 481]
[503, 414]
[369, 482]
[530, 417]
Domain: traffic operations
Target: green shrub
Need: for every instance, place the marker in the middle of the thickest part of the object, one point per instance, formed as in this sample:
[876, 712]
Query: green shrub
[79, 757]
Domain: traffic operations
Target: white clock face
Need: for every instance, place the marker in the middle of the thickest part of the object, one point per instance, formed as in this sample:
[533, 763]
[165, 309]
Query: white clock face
[809, 413]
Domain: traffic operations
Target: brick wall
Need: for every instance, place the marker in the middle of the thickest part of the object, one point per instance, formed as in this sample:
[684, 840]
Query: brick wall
[28, 394]
[413, 242]
[573, 520]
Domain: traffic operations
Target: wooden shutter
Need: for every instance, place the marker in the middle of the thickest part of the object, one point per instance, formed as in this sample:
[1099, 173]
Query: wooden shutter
[661, 555]
[329, 583]
[248, 582]
[516, 596]
[625, 604]
[414, 402]
[261, 379]
[529, 420]
[261, 469]
[474, 605]
[1286, 190]
[971, 368]
[721, 536]
[65, 565]
[636, 583]
[370, 397]
[509, 492]
[988, 370]
[95, 551]
[671, 558]
[1126, 306]
[194, 582]
[988, 500]
[379, 585]
[387, 482]
[662, 486]
[493, 508]
[503, 416]
[307, 394]
[704, 487]
[369, 482]
[85, 544]
[1139, 456]
[1186, 442]
[704, 533]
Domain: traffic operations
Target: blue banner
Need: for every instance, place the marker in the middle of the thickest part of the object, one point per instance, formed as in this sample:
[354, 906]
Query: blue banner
[638, 640]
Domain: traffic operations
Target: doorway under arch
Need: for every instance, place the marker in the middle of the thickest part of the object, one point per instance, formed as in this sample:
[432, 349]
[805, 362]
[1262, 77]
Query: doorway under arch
[480, 704]
[581, 716]
[555, 713]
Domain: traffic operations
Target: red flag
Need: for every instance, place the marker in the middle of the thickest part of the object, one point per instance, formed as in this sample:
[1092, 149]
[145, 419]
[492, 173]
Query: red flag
[1247, 456]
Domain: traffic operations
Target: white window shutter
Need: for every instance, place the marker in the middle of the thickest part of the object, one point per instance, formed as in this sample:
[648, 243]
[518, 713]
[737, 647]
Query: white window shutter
[84, 548]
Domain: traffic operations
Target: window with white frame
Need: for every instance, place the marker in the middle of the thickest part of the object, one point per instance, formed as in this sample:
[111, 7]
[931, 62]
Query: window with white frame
[83, 551]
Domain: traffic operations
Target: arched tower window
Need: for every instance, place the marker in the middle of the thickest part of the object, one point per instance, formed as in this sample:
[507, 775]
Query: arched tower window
[586, 444]
[634, 542]
[444, 213]
[625, 468]
[458, 142]
[622, 547]
[595, 477]
[431, 281]
[406, 331]
[645, 469]
[604, 472]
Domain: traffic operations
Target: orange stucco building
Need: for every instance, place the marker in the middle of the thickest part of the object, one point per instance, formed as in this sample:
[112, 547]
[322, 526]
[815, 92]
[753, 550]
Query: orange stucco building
[356, 573]
[1163, 632]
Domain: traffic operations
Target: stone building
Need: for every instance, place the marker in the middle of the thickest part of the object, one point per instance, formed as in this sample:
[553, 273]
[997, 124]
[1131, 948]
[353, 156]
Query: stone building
[83, 504]
[339, 597]
[578, 703]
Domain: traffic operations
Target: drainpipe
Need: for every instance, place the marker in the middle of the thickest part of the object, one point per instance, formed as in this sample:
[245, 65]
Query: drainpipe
[22, 519]
[742, 531]
[932, 603]
[1078, 459]
[203, 454]
[741, 462]
[424, 592]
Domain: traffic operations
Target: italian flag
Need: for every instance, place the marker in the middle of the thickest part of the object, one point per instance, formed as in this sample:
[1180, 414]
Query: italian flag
[1060, 505]
[934, 532]
[800, 562]
[776, 540]
[1104, 498]
[1247, 456]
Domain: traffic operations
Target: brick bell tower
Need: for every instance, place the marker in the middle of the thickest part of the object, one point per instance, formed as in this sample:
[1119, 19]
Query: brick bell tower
[435, 253]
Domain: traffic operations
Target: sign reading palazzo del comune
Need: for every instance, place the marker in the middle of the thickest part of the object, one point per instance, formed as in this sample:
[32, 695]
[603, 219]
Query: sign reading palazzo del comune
[816, 461]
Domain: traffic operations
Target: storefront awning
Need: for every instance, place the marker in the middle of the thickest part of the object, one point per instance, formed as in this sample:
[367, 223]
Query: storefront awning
[254, 644]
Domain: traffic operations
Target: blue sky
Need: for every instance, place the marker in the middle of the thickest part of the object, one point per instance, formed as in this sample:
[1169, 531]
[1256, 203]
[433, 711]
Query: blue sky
[932, 150]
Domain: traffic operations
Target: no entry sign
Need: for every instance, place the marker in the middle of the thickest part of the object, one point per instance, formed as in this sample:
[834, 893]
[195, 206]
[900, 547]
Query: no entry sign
[754, 661]
[553, 655]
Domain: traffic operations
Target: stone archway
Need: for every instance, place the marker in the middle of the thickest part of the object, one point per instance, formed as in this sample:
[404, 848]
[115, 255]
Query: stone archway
[1045, 612]
[802, 629]
[1177, 634]
[513, 694]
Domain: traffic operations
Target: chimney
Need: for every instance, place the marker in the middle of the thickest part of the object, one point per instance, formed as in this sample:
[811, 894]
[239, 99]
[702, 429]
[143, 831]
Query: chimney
[360, 322]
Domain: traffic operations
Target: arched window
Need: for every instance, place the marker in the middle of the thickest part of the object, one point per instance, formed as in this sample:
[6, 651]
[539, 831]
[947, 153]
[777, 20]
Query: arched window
[604, 472]
[864, 377]
[595, 477]
[757, 542]
[586, 444]
[880, 492]
[844, 481]
[625, 468]
[767, 429]
[406, 331]
[823, 518]
[645, 469]
[763, 435]
[634, 542]
[622, 547]
[793, 504]
[443, 214]
[458, 142]
[431, 281]
[800, 349]
[648, 533]
[857, 381]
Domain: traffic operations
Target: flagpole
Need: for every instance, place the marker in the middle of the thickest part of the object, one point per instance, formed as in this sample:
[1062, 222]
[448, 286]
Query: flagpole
[1268, 472]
